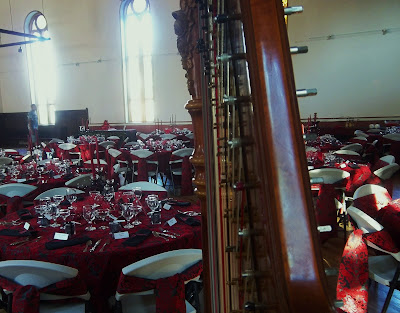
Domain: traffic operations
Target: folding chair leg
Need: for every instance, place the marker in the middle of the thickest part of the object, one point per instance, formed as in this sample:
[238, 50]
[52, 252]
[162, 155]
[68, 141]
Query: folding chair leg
[393, 284]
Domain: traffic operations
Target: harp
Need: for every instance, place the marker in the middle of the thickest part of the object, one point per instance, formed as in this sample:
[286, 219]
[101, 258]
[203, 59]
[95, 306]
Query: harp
[260, 242]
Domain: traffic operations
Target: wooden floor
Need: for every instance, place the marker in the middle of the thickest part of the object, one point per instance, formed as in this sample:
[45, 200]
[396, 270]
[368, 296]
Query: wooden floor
[332, 252]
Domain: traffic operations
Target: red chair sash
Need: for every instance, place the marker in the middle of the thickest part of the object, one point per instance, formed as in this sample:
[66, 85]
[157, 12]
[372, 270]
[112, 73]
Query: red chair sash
[143, 168]
[371, 204]
[186, 178]
[26, 299]
[170, 291]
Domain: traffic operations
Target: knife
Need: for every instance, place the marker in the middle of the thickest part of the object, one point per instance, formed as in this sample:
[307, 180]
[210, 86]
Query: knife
[95, 245]
[15, 243]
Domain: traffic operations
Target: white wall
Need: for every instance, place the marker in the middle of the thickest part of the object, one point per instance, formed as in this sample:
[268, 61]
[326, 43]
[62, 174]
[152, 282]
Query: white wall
[356, 74]
[83, 32]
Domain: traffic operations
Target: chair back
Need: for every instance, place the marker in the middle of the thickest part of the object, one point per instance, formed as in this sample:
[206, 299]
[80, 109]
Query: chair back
[164, 264]
[360, 133]
[183, 152]
[113, 138]
[5, 161]
[364, 222]
[388, 159]
[114, 152]
[362, 138]
[107, 143]
[16, 189]
[36, 273]
[62, 191]
[81, 181]
[369, 189]
[387, 171]
[346, 152]
[131, 143]
[143, 154]
[146, 186]
[56, 140]
[101, 161]
[168, 136]
[329, 175]
[67, 146]
[394, 137]
[353, 147]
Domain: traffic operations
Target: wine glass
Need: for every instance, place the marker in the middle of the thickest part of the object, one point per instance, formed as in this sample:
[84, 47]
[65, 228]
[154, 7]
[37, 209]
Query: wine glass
[89, 215]
[64, 213]
[127, 213]
[95, 196]
[71, 197]
[45, 201]
[108, 193]
[55, 213]
[58, 199]
[137, 208]
[152, 202]
[138, 193]
[102, 215]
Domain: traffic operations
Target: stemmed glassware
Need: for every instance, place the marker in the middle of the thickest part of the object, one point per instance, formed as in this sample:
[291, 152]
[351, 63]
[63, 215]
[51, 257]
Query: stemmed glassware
[58, 199]
[152, 202]
[108, 193]
[64, 213]
[89, 216]
[55, 213]
[102, 215]
[137, 208]
[71, 197]
[128, 213]
[95, 196]
[138, 193]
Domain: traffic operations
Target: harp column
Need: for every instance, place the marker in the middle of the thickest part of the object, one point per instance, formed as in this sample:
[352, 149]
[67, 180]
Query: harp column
[187, 30]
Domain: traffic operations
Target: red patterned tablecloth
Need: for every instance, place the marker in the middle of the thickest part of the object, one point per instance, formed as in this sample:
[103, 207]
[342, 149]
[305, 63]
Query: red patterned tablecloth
[101, 270]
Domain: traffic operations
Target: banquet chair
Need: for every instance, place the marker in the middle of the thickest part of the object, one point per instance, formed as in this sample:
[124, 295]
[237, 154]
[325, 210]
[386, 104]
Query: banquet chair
[121, 167]
[16, 189]
[88, 163]
[353, 147]
[74, 156]
[333, 176]
[107, 144]
[361, 138]
[10, 152]
[41, 274]
[81, 182]
[175, 163]
[5, 161]
[381, 196]
[152, 164]
[56, 140]
[390, 159]
[162, 265]
[145, 185]
[360, 133]
[395, 137]
[62, 191]
[112, 138]
[384, 269]
[130, 144]
[347, 154]
[387, 171]
[167, 136]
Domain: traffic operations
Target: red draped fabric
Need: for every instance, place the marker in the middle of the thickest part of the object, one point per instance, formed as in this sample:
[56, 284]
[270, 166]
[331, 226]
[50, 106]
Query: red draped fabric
[143, 167]
[170, 291]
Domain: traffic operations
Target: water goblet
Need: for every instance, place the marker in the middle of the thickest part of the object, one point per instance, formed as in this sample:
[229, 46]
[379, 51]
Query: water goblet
[138, 193]
[102, 215]
[152, 202]
[127, 213]
[55, 213]
[137, 208]
[71, 197]
[88, 215]
[129, 196]
[108, 193]
[45, 201]
[58, 199]
[64, 213]
[95, 196]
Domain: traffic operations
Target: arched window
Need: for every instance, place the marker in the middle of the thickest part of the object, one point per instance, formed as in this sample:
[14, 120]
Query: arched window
[137, 42]
[41, 67]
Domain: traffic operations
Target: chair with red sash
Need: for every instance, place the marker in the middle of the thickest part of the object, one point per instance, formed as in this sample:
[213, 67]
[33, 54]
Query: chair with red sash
[348, 154]
[353, 147]
[147, 188]
[13, 195]
[330, 202]
[157, 283]
[371, 198]
[69, 151]
[357, 265]
[5, 161]
[179, 166]
[359, 139]
[145, 165]
[119, 164]
[33, 286]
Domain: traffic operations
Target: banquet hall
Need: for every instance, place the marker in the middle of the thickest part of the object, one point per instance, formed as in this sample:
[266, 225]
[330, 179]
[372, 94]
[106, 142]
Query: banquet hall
[199, 156]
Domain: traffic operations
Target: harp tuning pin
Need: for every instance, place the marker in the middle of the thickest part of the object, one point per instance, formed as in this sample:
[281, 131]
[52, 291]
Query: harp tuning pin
[306, 92]
[293, 10]
[223, 18]
[231, 57]
[298, 50]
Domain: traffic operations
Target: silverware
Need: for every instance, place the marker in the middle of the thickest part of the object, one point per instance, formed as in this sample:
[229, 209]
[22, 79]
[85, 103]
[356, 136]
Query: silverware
[95, 245]
[190, 213]
[169, 232]
[166, 235]
[18, 242]
[29, 241]
[106, 243]
[88, 243]
[159, 235]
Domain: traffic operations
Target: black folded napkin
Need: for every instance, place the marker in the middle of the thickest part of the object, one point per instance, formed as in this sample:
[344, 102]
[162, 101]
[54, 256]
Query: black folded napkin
[52, 245]
[178, 203]
[24, 214]
[187, 219]
[138, 238]
[17, 233]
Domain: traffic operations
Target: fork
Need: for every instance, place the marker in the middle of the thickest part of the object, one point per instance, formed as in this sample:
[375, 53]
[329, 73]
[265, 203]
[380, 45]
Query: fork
[106, 243]
[88, 243]
[159, 236]
[169, 232]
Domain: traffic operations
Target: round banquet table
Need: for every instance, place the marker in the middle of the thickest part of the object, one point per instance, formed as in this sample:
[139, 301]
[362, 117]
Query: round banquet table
[100, 270]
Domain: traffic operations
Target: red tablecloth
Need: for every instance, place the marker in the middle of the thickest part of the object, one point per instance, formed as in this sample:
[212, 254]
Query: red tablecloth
[101, 270]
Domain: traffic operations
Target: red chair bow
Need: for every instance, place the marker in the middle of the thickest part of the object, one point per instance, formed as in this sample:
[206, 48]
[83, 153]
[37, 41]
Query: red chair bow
[26, 299]
[170, 291]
